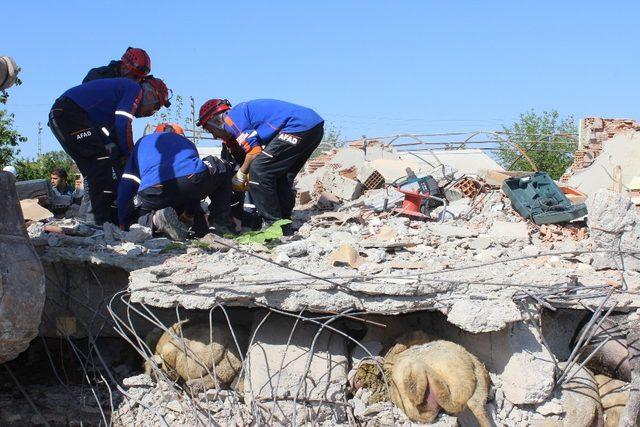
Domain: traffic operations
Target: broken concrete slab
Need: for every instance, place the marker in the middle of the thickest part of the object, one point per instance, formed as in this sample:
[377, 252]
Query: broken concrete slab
[342, 187]
[622, 150]
[528, 375]
[615, 227]
[137, 234]
[298, 248]
[477, 315]
[465, 161]
[311, 367]
[506, 233]
[453, 231]
[22, 279]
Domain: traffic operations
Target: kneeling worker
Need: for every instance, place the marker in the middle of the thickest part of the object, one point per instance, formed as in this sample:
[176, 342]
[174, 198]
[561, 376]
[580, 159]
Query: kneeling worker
[278, 138]
[169, 176]
[92, 122]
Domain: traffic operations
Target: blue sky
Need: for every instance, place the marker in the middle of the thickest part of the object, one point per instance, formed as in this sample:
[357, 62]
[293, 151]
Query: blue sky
[368, 67]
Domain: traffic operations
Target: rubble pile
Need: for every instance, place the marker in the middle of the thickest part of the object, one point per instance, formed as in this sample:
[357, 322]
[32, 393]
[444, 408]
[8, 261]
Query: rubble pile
[373, 257]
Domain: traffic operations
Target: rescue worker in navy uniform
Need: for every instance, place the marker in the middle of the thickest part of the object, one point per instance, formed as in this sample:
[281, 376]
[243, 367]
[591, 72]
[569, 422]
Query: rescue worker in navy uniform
[278, 138]
[92, 122]
[169, 177]
[135, 64]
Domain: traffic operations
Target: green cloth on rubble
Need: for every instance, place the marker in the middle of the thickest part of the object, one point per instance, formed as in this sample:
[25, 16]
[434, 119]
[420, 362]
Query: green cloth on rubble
[271, 233]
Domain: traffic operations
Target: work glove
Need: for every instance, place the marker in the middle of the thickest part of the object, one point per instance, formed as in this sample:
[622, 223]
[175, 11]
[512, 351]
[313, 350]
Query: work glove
[240, 181]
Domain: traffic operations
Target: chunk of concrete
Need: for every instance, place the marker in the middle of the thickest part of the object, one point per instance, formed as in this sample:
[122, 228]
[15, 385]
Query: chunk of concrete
[342, 187]
[446, 230]
[614, 225]
[622, 150]
[294, 249]
[137, 234]
[157, 243]
[508, 232]
[22, 290]
[528, 375]
[483, 315]
[313, 366]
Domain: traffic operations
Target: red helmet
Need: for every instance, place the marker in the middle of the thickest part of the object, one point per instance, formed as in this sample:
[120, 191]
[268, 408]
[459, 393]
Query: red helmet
[154, 90]
[137, 61]
[212, 108]
[170, 127]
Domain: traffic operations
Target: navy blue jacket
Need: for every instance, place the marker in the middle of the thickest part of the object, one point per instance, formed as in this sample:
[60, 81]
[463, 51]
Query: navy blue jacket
[113, 70]
[255, 123]
[156, 158]
[111, 104]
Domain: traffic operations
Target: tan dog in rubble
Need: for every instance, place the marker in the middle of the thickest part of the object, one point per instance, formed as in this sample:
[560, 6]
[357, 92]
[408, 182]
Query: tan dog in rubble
[439, 374]
[199, 355]
[614, 396]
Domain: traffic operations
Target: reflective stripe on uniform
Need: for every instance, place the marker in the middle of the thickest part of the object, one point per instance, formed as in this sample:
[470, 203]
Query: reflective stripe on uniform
[267, 154]
[131, 177]
[254, 183]
[105, 131]
[103, 158]
[124, 113]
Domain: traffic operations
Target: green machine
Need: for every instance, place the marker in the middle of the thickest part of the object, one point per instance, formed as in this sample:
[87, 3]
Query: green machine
[537, 197]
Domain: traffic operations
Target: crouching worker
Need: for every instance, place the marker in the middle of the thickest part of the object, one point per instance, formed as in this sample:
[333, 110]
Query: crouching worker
[92, 122]
[169, 177]
[278, 138]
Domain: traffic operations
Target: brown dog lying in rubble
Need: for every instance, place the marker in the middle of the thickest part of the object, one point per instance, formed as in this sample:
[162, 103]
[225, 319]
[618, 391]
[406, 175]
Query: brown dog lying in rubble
[199, 355]
[438, 374]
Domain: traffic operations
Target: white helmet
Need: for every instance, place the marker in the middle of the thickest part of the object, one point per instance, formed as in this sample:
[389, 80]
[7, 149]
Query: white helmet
[9, 169]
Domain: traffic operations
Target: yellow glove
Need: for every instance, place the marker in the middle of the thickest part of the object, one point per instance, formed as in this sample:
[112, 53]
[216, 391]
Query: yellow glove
[240, 181]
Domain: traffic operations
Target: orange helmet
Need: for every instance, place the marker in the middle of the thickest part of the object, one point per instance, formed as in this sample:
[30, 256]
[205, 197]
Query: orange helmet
[170, 127]
[137, 61]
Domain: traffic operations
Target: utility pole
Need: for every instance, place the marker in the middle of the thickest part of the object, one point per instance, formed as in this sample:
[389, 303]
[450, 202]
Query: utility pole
[39, 139]
[193, 120]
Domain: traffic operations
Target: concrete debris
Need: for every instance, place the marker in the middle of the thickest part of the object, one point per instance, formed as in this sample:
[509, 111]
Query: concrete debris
[342, 187]
[594, 133]
[298, 248]
[483, 315]
[614, 225]
[131, 250]
[137, 234]
[309, 369]
[157, 244]
[474, 273]
[452, 231]
[528, 375]
[507, 233]
[22, 279]
[463, 161]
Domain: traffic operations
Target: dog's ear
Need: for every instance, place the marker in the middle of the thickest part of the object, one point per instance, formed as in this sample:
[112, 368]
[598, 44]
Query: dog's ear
[416, 384]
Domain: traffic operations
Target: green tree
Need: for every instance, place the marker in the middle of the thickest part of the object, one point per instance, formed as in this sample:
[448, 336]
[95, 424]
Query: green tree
[548, 140]
[330, 140]
[9, 137]
[42, 166]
